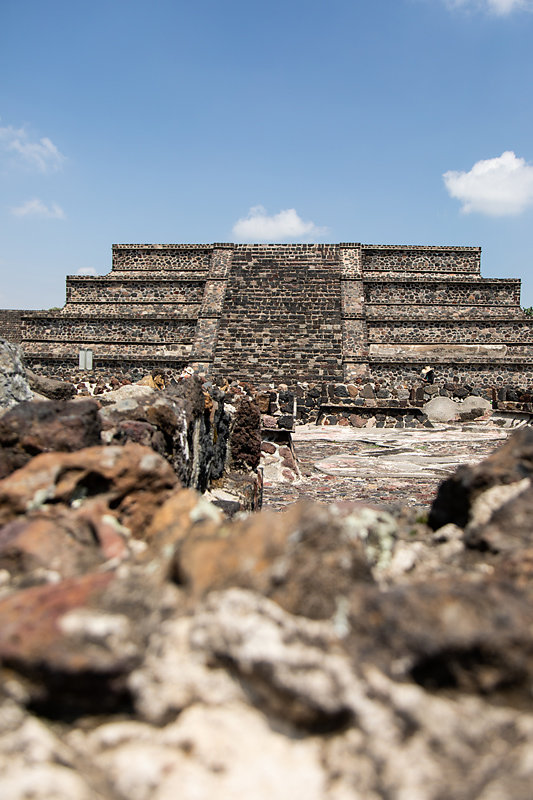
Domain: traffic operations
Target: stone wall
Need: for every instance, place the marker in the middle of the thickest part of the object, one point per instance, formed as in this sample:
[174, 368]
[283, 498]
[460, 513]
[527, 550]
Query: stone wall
[11, 325]
[384, 258]
[484, 292]
[453, 331]
[441, 311]
[118, 330]
[151, 290]
[160, 257]
[480, 375]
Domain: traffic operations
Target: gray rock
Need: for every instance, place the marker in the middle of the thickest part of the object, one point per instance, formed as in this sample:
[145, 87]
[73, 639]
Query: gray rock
[131, 393]
[441, 409]
[14, 386]
[474, 406]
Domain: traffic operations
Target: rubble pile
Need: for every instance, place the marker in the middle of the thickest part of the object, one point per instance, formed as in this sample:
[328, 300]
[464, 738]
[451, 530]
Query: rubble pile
[152, 648]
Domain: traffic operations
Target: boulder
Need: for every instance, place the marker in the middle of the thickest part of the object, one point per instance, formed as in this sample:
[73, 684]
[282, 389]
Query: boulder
[473, 407]
[131, 480]
[134, 392]
[305, 573]
[441, 409]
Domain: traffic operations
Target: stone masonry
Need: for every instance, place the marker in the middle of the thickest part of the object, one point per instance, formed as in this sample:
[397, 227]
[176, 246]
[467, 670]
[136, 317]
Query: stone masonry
[287, 313]
[11, 325]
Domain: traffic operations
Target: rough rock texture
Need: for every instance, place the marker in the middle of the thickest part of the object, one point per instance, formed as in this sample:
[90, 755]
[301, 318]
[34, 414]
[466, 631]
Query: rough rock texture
[150, 648]
[245, 439]
[472, 407]
[30, 428]
[50, 388]
[510, 464]
[131, 480]
[14, 386]
[187, 426]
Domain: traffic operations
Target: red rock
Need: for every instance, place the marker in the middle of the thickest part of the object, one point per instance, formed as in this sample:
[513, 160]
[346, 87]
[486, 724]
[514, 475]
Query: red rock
[132, 479]
[54, 541]
[268, 447]
[30, 630]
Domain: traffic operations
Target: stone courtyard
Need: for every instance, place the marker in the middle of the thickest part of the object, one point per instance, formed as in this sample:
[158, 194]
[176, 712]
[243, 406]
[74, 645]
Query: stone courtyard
[383, 467]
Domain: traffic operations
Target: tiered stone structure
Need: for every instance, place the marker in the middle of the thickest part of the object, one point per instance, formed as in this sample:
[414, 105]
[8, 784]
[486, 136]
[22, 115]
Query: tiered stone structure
[282, 313]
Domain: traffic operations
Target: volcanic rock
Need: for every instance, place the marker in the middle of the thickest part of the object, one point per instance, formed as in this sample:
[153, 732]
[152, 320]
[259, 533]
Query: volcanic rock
[509, 464]
[132, 480]
[30, 428]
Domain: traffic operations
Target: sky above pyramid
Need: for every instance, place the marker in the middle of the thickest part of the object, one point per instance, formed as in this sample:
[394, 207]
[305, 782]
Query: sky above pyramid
[374, 121]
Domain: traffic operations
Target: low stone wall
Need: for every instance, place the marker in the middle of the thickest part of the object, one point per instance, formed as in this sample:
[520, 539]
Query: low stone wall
[423, 289]
[160, 257]
[421, 259]
[457, 331]
[148, 290]
[480, 376]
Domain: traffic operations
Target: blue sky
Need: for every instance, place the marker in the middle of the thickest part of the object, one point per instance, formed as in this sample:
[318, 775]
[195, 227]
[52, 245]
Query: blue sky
[377, 121]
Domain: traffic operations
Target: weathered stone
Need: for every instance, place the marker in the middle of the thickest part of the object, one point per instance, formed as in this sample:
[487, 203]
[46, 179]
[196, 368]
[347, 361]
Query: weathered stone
[262, 399]
[441, 409]
[473, 407]
[268, 447]
[304, 574]
[245, 437]
[466, 634]
[132, 479]
[59, 542]
[510, 464]
[14, 386]
[30, 428]
[367, 392]
[49, 388]
[286, 422]
[508, 528]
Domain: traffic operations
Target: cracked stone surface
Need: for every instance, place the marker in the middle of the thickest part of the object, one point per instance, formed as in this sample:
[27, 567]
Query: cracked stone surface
[382, 466]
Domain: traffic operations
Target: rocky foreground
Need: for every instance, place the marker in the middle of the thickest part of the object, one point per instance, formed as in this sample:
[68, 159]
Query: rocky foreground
[152, 648]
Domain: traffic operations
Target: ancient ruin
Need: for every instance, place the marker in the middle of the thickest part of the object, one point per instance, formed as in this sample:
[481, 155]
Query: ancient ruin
[285, 313]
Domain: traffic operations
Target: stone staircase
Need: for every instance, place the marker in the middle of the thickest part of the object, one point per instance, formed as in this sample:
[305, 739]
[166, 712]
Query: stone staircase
[287, 313]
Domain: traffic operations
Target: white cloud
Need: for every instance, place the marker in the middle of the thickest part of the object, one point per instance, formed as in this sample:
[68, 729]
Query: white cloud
[498, 7]
[36, 208]
[86, 271]
[42, 155]
[499, 187]
[258, 226]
